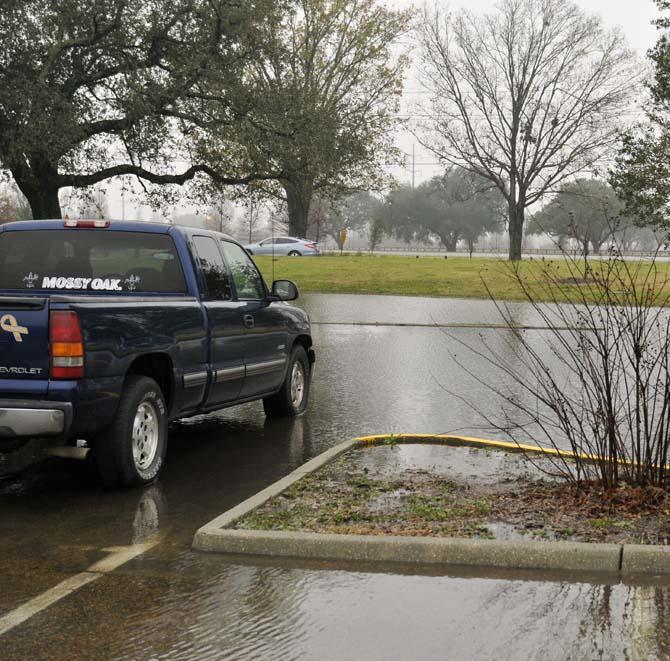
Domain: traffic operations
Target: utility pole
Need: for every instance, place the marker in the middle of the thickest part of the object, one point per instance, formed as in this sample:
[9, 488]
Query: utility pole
[413, 164]
[221, 203]
[251, 217]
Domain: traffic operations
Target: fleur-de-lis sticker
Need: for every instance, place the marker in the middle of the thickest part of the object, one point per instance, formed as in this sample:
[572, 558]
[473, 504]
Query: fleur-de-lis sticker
[30, 280]
[132, 282]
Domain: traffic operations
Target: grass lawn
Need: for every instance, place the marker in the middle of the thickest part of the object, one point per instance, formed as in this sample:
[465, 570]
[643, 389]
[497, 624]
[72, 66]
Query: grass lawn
[458, 277]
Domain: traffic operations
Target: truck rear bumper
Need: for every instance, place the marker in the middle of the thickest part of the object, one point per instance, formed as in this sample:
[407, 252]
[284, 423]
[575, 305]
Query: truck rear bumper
[34, 419]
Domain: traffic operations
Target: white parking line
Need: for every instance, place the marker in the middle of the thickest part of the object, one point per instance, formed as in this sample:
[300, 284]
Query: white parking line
[118, 556]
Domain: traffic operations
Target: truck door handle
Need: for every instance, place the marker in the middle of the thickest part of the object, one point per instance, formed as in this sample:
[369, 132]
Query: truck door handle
[248, 321]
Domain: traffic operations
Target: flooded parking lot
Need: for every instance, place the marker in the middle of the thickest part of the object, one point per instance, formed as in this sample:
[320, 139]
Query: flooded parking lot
[174, 603]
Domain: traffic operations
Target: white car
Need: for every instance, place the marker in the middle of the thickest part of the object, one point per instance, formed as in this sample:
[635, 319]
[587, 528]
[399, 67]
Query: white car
[284, 245]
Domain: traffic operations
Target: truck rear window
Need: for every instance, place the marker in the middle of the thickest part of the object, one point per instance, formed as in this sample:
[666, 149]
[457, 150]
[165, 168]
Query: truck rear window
[89, 260]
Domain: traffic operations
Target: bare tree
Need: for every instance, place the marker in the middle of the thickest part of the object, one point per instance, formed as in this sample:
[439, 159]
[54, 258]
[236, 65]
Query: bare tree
[526, 96]
[253, 214]
[350, 213]
[221, 210]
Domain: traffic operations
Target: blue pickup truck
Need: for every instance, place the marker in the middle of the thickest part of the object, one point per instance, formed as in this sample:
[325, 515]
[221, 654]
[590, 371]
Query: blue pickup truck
[110, 330]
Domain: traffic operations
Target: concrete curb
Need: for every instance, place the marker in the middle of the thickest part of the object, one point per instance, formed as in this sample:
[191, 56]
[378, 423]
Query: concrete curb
[217, 536]
[570, 556]
[643, 559]
[228, 518]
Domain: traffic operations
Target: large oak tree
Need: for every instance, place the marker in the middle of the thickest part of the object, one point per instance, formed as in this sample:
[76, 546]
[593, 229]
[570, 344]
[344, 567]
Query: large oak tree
[453, 207]
[586, 210]
[91, 89]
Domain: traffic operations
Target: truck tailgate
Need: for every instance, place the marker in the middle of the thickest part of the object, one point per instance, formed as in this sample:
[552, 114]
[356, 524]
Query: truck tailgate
[24, 341]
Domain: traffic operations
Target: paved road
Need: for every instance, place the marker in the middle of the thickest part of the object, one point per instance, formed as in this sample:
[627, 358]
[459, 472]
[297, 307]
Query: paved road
[56, 526]
[662, 255]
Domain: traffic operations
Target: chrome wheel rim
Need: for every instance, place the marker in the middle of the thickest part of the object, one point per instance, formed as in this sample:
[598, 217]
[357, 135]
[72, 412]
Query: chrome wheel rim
[145, 435]
[297, 384]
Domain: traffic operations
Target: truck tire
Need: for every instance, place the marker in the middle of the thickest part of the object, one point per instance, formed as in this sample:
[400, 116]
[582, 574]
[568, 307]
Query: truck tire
[293, 395]
[132, 450]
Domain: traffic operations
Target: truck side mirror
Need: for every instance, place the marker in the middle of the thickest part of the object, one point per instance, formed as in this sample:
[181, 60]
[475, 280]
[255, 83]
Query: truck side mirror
[284, 290]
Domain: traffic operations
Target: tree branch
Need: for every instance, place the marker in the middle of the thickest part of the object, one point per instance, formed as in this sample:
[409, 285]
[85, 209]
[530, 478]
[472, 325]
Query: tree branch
[83, 180]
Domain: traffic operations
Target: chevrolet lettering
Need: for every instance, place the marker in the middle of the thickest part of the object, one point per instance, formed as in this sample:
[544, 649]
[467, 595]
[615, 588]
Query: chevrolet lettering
[113, 329]
[25, 371]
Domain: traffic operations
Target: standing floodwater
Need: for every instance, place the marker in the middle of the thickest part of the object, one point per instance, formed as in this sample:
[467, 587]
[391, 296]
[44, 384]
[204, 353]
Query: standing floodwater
[174, 603]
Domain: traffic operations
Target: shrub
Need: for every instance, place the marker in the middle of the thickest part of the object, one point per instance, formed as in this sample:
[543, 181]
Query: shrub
[597, 380]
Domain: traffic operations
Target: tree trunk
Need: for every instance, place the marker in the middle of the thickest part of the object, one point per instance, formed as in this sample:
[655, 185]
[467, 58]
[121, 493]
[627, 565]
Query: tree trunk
[298, 201]
[449, 241]
[516, 219]
[44, 202]
[39, 184]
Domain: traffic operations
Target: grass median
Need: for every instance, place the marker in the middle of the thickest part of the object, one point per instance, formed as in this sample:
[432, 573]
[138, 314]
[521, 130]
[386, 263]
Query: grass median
[458, 277]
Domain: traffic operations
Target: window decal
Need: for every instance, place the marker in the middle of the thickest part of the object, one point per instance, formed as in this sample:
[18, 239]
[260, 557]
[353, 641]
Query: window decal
[132, 282]
[97, 284]
[30, 280]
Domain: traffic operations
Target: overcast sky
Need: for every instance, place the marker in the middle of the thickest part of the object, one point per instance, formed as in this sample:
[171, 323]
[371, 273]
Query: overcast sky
[633, 17]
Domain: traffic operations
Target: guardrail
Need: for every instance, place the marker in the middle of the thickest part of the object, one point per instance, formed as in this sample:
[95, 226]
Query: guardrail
[491, 251]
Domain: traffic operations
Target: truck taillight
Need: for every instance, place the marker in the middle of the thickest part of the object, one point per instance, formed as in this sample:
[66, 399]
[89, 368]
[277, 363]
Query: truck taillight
[67, 345]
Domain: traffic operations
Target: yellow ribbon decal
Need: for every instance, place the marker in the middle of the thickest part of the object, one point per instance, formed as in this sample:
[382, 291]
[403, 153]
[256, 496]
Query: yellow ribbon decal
[8, 323]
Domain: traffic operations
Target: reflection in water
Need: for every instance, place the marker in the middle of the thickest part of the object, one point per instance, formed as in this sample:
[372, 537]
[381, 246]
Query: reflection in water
[228, 611]
[150, 508]
[294, 434]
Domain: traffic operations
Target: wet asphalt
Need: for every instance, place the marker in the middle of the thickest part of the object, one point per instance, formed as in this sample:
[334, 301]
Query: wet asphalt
[173, 603]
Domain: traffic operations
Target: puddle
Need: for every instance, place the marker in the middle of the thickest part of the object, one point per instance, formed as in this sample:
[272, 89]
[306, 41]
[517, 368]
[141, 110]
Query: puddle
[388, 500]
[511, 533]
[462, 464]
[506, 531]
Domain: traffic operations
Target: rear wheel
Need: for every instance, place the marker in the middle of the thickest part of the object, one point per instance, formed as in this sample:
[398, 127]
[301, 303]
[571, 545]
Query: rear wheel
[294, 253]
[132, 450]
[293, 395]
